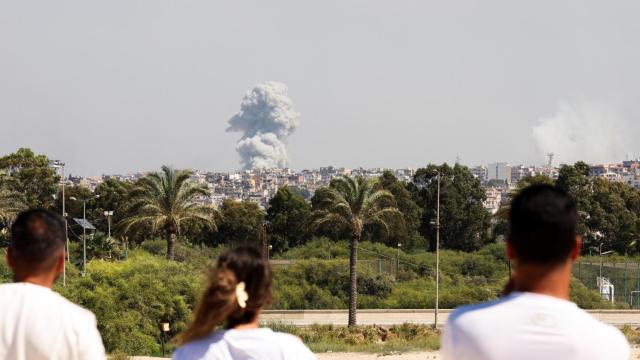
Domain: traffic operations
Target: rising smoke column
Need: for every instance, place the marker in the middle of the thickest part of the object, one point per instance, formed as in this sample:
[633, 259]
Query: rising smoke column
[266, 118]
[594, 133]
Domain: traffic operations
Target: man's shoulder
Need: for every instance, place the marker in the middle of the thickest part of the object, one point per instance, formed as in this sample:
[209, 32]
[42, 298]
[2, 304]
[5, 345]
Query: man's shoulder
[44, 297]
[470, 312]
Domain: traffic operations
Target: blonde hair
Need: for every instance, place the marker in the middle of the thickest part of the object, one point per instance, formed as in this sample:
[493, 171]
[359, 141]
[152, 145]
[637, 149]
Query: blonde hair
[219, 304]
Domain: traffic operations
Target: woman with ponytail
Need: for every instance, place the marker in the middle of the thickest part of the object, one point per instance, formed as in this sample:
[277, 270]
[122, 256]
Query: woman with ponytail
[225, 323]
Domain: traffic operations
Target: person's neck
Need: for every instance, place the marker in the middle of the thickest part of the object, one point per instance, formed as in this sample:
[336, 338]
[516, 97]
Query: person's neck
[250, 325]
[41, 280]
[553, 281]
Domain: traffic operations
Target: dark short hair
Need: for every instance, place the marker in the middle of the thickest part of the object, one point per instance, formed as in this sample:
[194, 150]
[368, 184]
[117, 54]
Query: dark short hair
[542, 224]
[36, 237]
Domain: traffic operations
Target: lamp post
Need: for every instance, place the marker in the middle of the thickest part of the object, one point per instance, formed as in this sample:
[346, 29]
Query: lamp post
[109, 214]
[437, 225]
[84, 230]
[602, 253]
[435, 317]
[164, 329]
[60, 165]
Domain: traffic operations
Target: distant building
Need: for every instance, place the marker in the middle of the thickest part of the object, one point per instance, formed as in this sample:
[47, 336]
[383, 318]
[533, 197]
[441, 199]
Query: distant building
[494, 199]
[499, 171]
[520, 172]
[479, 172]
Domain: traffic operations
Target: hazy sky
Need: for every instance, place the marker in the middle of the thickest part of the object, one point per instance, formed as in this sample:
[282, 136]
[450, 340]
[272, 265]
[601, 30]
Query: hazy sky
[119, 86]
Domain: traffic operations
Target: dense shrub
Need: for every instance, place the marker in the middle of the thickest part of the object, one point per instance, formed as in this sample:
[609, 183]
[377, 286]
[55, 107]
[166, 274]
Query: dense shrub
[131, 298]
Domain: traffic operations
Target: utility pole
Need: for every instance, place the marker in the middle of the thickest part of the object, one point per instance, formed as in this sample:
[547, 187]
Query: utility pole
[84, 238]
[435, 318]
[398, 261]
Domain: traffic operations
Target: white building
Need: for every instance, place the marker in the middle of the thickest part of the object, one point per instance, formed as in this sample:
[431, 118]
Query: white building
[494, 199]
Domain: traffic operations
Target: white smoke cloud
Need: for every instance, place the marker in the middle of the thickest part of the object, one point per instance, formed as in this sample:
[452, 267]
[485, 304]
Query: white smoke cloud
[266, 118]
[590, 132]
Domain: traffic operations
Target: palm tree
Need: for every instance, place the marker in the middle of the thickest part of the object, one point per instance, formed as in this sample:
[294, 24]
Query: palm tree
[350, 203]
[167, 201]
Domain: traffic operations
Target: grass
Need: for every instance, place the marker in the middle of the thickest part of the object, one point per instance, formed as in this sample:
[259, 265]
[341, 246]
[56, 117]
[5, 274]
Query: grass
[370, 338]
[383, 340]
[632, 334]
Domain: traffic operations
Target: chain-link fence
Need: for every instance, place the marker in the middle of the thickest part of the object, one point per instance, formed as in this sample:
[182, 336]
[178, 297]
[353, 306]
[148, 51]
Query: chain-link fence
[618, 282]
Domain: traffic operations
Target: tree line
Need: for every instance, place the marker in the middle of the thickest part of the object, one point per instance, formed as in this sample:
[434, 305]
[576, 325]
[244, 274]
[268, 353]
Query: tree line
[166, 204]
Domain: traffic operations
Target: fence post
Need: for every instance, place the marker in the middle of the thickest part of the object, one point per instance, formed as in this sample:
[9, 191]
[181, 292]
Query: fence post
[580, 270]
[379, 266]
[638, 284]
[626, 299]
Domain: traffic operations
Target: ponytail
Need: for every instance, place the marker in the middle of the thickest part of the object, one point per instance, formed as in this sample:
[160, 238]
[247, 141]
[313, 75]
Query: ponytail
[219, 303]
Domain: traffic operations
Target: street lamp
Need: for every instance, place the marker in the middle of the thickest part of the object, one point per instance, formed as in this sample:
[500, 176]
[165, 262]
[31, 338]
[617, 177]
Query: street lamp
[109, 214]
[164, 329]
[602, 253]
[437, 225]
[84, 230]
[60, 165]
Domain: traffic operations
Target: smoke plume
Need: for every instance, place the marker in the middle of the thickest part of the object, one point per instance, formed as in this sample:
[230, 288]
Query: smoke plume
[590, 132]
[266, 118]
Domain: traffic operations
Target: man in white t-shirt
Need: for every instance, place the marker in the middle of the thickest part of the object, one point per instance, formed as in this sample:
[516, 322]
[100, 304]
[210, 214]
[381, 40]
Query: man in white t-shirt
[535, 320]
[35, 322]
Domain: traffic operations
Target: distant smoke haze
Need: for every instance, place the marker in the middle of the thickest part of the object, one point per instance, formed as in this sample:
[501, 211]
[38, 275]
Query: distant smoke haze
[594, 133]
[266, 119]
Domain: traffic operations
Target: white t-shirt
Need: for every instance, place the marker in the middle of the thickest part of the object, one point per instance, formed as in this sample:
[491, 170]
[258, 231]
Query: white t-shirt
[36, 323]
[528, 326]
[247, 344]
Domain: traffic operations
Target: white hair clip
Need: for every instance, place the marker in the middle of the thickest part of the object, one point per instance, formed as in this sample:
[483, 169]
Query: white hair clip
[241, 294]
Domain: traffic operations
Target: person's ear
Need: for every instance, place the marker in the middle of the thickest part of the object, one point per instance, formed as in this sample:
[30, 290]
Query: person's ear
[577, 246]
[60, 262]
[510, 251]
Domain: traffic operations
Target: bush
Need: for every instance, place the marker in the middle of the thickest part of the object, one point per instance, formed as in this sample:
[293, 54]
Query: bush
[131, 298]
[5, 272]
[406, 337]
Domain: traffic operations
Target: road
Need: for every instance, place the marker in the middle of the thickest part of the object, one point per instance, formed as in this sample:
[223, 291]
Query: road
[394, 317]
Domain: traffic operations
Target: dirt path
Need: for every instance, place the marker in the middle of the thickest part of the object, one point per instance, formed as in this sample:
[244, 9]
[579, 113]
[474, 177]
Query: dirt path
[364, 356]
[361, 356]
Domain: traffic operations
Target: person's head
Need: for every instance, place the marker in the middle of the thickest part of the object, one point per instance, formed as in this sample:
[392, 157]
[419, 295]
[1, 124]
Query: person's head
[542, 227]
[37, 245]
[220, 305]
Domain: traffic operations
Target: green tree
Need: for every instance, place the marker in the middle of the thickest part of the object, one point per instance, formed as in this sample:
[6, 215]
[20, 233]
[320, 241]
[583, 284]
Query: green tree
[241, 223]
[287, 215]
[612, 216]
[406, 231]
[11, 202]
[463, 218]
[352, 203]
[167, 201]
[31, 176]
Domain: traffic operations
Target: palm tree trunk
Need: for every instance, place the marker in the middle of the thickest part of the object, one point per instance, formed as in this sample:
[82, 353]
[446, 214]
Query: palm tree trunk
[171, 241]
[353, 277]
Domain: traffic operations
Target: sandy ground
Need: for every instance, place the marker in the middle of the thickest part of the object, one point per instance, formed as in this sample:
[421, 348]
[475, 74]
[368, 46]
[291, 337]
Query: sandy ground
[362, 356]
